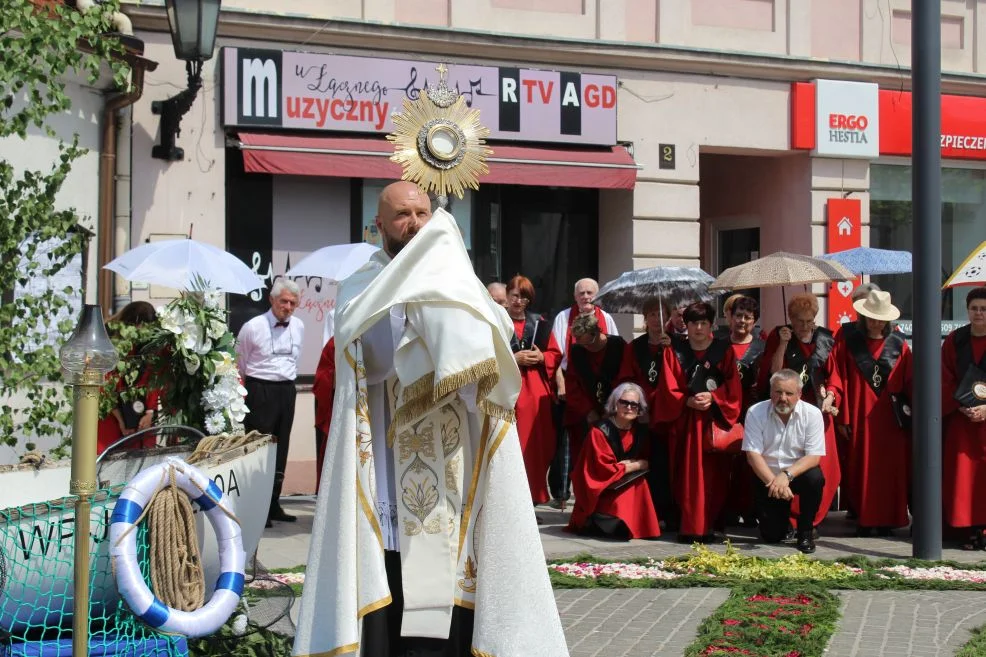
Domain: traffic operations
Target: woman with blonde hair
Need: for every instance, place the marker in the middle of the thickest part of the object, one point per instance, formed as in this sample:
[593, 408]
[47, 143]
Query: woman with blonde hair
[807, 349]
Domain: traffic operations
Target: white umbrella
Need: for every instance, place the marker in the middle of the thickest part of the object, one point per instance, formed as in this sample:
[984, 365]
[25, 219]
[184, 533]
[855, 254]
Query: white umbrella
[186, 264]
[334, 263]
[972, 271]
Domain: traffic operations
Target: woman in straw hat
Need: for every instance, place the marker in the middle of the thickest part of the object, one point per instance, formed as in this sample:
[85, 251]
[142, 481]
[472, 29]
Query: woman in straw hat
[874, 364]
[963, 364]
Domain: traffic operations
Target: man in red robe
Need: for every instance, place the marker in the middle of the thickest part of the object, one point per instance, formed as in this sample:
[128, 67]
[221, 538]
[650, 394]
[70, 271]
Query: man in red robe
[807, 349]
[610, 497]
[699, 385]
[585, 291]
[874, 364]
[537, 355]
[594, 368]
[964, 415]
[642, 361]
[324, 389]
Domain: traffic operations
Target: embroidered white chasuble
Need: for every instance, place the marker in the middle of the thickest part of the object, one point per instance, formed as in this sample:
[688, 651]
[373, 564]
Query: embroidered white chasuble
[449, 461]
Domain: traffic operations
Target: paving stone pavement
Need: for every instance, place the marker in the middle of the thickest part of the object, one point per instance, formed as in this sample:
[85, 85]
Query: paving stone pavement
[646, 622]
[634, 622]
[914, 623]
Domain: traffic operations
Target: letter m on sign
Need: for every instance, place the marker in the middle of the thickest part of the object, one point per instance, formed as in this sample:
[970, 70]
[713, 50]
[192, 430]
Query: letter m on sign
[258, 93]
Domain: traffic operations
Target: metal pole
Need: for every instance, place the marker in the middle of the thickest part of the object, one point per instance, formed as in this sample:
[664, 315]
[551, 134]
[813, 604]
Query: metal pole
[85, 411]
[926, 190]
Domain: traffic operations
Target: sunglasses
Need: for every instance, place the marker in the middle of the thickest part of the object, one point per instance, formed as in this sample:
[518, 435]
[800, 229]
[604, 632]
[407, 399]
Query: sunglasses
[629, 405]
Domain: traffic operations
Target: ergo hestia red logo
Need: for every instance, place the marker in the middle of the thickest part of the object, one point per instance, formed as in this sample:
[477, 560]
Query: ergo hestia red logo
[848, 128]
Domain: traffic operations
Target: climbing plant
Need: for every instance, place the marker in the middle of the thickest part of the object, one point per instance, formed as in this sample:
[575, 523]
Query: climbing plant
[43, 45]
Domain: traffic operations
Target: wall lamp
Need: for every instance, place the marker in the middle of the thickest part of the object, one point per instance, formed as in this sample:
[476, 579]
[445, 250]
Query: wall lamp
[193, 26]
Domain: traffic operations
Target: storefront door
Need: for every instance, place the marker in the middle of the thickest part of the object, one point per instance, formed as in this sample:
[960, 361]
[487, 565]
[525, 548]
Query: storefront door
[549, 235]
[736, 246]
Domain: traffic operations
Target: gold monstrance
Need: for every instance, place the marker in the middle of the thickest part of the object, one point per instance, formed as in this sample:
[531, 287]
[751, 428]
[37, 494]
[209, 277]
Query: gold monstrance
[439, 141]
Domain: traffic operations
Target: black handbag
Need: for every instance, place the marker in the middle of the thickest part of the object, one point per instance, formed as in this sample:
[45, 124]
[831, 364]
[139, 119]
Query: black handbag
[627, 479]
[901, 406]
[971, 391]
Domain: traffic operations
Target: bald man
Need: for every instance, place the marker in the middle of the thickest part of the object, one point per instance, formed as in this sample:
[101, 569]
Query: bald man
[418, 446]
[498, 291]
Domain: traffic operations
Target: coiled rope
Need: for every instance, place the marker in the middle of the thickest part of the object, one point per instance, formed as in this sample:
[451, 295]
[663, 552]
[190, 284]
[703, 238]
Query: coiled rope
[176, 565]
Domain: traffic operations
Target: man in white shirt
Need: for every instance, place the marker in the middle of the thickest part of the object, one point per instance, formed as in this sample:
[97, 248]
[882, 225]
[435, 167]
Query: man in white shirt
[267, 351]
[784, 440]
[584, 293]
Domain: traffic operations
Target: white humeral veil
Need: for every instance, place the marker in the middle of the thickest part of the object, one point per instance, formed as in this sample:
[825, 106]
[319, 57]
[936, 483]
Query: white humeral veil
[468, 534]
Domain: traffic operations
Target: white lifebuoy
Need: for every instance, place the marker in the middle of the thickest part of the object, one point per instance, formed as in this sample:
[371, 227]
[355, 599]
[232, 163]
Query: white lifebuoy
[123, 551]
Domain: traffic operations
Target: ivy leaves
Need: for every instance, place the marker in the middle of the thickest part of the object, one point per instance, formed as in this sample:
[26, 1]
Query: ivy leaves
[42, 48]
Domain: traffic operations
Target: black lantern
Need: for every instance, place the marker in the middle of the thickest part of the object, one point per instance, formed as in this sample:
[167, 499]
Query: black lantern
[193, 31]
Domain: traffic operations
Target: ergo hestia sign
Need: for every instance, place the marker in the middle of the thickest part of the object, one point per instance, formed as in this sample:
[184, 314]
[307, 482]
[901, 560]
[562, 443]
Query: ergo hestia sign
[847, 119]
[313, 91]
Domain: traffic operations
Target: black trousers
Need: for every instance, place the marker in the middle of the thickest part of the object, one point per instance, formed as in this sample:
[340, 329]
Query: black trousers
[558, 471]
[271, 405]
[382, 628]
[774, 515]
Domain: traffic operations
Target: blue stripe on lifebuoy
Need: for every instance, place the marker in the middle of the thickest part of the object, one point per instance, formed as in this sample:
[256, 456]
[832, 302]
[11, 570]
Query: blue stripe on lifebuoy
[208, 500]
[126, 511]
[231, 581]
[156, 615]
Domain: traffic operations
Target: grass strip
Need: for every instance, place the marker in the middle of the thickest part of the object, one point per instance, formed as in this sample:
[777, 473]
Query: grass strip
[976, 645]
[769, 620]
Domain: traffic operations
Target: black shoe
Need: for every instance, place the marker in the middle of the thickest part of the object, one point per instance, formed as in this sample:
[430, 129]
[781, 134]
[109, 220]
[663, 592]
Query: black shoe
[806, 544]
[791, 535]
[281, 516]
[268, 524]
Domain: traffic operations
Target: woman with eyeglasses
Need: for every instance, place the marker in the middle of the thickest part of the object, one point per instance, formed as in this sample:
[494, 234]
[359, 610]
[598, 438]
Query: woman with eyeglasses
[537, 355]
[963, 368]
[807, 349]
[609, 480]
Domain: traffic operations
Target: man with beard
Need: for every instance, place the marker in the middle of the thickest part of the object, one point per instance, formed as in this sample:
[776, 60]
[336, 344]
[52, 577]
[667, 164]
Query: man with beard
[424, 527]
[784, 441]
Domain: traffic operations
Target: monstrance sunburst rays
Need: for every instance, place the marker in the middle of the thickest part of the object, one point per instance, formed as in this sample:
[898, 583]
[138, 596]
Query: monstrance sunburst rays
[439, 141]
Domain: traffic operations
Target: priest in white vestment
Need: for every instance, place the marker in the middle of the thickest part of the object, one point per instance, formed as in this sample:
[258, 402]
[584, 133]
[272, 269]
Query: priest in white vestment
[425, 540]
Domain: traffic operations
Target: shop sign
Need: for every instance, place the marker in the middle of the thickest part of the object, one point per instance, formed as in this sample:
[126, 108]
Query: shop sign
[844, 218]
[275, 89]
[847, 119]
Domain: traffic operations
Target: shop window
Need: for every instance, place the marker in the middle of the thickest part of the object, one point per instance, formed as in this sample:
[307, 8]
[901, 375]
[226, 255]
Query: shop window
[963, 227]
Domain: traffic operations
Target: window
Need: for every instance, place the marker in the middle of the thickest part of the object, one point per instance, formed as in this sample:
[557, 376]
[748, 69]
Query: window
[963, 228]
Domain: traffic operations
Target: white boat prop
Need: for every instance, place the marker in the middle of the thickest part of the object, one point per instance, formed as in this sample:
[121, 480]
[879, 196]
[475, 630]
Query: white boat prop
[36, 528]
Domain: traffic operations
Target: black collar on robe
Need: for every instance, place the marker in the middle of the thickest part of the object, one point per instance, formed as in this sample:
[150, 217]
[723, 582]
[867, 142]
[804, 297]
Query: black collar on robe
[811, 368]
[962, 339]
[703, 375]
[875, 371]
[599, 384]
[649, 363]
[614, 436]
[747, 366]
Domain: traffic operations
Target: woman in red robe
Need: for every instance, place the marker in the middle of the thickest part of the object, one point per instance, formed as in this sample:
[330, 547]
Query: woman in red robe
[807, 349]
[874, 363]
[609, 500]
[699, 385]
[537, 355]
[964, 445]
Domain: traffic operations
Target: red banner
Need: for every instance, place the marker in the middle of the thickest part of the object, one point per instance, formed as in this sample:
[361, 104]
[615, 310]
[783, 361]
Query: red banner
[844, 217]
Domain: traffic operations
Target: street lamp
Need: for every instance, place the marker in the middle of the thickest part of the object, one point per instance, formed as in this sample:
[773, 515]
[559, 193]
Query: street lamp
[86, 358]
[193, 26]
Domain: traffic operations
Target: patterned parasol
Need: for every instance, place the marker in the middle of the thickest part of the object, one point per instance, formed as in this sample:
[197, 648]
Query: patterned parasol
[675, 286]
[779, 269]
[972, 271]
[865, 260]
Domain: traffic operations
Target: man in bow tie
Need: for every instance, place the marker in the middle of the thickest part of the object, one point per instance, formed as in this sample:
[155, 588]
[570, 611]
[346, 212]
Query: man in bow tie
[267, 349]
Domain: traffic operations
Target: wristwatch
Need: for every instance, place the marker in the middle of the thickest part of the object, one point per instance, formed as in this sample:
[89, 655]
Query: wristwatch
[790, 477]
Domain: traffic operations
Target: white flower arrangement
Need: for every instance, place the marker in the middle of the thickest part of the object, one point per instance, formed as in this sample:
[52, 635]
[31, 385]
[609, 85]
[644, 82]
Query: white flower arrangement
[197, 361]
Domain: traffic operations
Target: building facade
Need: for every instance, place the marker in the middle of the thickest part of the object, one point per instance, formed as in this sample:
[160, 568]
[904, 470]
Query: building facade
[626, 134]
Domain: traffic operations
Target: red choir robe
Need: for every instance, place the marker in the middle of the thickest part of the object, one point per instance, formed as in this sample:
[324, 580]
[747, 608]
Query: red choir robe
[748, 357]
[597, 468]
[964, 441]
[588, 389]
[535, 423]
[573, 312]
[879, 472]
[825, 375]
[324, 389]
[699, 479]
[108, 428]
[642, 365]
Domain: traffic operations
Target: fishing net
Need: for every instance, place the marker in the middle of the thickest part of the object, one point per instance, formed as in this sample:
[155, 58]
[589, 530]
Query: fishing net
[36, 585]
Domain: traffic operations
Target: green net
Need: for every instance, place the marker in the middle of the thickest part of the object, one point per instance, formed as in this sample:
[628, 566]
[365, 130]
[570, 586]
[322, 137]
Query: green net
[37, 549]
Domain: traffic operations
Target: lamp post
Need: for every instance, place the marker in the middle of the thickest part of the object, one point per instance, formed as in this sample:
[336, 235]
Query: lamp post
[193, 25]
[86, 358]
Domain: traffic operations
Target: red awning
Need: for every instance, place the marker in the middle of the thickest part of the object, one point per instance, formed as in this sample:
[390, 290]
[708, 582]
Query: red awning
[368, 157]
